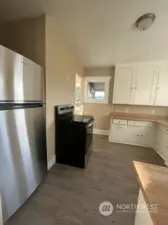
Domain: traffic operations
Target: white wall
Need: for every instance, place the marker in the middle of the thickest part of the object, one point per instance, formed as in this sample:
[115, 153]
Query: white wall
[62, 64]
[105, 34]
[42, 40]
[28, 37]
[103, 31]
[101, 112]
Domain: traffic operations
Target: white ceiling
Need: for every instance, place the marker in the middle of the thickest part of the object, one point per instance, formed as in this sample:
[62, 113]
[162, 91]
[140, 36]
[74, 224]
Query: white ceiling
[102, 30]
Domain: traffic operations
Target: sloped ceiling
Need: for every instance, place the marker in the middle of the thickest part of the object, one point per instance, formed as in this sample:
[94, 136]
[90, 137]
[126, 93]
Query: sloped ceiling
[102, 30]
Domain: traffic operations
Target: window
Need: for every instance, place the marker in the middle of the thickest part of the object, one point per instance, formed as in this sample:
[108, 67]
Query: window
[99, 95]
[97, 89]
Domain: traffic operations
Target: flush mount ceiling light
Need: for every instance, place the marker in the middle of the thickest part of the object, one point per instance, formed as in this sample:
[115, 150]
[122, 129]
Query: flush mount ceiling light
[145, 21]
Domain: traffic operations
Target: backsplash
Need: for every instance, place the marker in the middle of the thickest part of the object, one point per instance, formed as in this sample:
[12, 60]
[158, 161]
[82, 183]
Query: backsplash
[151, 110]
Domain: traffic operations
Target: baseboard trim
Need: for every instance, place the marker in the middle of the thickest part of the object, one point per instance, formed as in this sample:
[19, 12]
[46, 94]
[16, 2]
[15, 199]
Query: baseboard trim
[51, 162]
[102, 132]
[127, 143]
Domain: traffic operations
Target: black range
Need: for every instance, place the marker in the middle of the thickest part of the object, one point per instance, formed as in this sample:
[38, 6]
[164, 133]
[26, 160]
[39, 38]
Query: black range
[74, 135]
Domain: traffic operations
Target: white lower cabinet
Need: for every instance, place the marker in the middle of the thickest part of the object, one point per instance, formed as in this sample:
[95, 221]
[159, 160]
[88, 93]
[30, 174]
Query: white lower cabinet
[133, 132]
[119, 133]
[158, 139]
[142, 217]
[165, 147]
[161, 145]
[141, 133]
[134, 135]
[148, 136]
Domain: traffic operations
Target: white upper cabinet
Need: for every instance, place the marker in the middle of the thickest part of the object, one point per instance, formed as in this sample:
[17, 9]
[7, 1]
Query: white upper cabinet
[162, 87]
[145, 77]
[141, 84]
[123, 85]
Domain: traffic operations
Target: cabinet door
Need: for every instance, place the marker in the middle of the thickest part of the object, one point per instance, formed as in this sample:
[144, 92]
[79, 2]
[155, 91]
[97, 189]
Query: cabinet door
[145, 75]
[118, 133]
[134, 135]
[159, 141]
[142, 216]
[162, 142]
[162, 87]
[164, 149]
[123, 85]
[147, 136]
[114, 133]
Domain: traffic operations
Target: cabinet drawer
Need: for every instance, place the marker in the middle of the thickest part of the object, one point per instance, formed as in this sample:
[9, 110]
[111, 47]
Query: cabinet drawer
[118, 121]
[139, 123]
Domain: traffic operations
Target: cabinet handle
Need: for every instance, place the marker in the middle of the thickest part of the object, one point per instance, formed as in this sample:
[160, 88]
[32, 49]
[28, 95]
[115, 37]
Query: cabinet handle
[135, 87]
[157, 88]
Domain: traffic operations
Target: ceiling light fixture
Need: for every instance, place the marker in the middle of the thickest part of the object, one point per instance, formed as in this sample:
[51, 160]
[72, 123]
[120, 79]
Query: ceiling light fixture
[145, 21]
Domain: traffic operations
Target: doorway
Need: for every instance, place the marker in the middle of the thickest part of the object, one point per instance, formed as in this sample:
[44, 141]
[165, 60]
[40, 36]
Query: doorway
[79, 95]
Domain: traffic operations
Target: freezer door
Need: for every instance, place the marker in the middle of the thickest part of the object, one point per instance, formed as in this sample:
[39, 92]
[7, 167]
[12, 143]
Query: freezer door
[23, 159]
[20, 78]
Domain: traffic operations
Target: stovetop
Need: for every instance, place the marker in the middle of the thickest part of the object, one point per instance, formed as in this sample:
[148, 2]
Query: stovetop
[82, 119]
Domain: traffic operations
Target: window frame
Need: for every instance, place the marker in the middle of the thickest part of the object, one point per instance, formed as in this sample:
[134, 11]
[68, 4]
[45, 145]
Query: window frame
[106, 81]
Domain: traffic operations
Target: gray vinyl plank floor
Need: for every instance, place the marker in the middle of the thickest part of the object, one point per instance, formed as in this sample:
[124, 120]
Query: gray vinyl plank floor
[71, 196]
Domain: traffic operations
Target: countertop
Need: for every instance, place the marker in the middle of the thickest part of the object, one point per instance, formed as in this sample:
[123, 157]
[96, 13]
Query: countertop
[141, 117]
[153, 181]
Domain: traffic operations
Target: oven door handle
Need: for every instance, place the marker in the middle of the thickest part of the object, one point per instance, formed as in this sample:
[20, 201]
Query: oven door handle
[91, 124]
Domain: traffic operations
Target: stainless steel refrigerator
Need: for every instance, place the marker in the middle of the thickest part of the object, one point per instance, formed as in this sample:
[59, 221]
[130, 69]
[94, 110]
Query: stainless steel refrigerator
[23, 158]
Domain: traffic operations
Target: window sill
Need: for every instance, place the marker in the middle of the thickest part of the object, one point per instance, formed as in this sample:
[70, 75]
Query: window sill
[96, 101]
